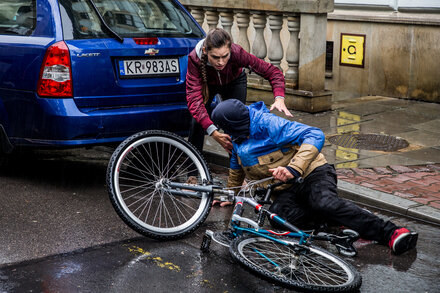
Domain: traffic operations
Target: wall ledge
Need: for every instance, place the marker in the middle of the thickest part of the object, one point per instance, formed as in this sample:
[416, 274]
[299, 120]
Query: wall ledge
[276, 6]
[392, 17]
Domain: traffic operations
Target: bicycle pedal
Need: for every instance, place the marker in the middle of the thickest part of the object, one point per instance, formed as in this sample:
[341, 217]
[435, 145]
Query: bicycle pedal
[350, 251]
[206, 242]
[353, 235]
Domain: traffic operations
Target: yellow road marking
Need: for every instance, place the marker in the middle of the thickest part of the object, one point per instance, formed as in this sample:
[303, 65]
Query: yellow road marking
[157, 260]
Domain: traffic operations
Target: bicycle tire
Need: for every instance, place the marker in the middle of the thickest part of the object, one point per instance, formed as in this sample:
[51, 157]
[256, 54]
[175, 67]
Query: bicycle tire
[136, 167]
[281, 265]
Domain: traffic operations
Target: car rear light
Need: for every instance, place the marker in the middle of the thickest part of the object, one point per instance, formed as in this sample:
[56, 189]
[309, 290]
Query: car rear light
[146, 41]
[56, 72]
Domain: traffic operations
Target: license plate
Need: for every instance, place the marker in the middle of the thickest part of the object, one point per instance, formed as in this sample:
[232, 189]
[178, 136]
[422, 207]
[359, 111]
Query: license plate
[148, 67]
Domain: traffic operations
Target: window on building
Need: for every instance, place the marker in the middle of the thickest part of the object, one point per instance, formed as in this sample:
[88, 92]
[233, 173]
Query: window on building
[392, 4]
[329, 58]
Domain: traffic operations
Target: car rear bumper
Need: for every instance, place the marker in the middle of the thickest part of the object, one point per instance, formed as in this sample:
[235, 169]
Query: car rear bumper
[59, 123]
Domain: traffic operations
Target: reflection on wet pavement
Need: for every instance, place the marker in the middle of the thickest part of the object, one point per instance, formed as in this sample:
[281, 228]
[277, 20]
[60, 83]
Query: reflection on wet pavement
[416, 122]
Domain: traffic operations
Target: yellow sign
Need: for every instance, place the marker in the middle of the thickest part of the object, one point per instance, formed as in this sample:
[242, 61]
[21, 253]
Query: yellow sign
[352, 50]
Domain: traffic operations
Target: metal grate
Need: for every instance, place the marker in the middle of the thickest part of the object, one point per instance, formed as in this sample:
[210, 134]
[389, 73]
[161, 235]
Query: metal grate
[374, 142]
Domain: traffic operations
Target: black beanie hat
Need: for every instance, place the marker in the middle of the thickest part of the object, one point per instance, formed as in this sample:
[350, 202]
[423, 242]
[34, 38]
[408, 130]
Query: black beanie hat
[233, 117]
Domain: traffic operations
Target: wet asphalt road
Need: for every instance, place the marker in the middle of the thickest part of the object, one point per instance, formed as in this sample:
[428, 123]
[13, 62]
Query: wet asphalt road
[61, 234]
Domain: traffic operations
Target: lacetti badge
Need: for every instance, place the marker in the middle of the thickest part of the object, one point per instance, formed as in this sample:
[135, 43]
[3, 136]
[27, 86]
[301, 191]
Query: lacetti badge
[88, 55]
[151, 52]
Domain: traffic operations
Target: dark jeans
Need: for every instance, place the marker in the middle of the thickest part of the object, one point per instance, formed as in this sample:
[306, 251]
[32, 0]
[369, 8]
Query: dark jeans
[316, 201]
[237, 89]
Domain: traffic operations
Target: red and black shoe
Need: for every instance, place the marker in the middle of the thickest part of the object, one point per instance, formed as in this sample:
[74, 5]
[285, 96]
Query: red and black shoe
[402, 240]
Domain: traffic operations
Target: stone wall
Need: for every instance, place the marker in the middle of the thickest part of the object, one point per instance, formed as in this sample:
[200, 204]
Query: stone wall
[402, 55]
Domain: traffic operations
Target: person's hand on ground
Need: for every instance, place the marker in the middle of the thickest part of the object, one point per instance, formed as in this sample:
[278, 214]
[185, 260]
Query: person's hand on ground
[224, 140]
[222, 203]
[281, 106]
[281, 173]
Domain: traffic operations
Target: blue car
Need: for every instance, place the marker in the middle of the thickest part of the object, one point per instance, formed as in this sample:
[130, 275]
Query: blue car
[92, 72]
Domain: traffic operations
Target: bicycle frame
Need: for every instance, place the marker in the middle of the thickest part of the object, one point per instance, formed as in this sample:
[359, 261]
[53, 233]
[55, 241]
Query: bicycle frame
[257, 230]
[343, 243]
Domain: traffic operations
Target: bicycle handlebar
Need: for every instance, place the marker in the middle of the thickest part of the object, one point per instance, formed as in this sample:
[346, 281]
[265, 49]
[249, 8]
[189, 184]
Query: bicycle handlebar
[290, 181]
[272, 186]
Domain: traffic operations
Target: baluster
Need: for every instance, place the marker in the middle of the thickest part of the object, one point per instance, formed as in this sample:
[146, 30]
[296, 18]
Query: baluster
[227, 18]
[259, 48]
[212, 18]
[198, 14]
[275, 48]
[292, 53]
[243, 19]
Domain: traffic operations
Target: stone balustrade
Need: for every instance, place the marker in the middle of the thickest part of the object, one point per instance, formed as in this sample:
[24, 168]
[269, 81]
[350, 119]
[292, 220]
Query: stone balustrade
[258, 28]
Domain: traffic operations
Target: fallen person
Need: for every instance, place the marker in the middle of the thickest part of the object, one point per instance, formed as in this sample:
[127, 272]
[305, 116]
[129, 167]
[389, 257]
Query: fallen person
[265, 145]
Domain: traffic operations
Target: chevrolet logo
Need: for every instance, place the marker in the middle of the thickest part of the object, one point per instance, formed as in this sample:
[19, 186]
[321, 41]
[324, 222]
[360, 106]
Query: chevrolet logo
[151, 52]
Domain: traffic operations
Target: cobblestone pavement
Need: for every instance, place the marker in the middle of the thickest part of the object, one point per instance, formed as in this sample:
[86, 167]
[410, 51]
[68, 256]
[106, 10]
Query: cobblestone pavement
[417, 183]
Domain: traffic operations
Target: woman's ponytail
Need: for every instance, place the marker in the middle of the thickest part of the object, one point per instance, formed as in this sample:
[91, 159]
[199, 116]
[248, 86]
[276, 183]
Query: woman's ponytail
[205, 89]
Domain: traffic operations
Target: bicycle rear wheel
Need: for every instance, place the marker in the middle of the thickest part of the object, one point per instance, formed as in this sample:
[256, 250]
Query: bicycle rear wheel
[135, 169]
[308, 269]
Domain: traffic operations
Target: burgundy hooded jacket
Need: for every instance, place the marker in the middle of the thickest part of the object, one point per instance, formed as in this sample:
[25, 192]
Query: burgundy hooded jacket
[239, 59]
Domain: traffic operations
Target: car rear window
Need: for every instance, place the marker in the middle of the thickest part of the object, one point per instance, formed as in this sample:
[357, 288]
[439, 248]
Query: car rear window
[128, 18]
[17, 17]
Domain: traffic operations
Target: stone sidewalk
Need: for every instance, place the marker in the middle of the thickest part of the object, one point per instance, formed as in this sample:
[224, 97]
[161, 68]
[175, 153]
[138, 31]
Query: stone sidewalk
[413, 191]
[405, 180]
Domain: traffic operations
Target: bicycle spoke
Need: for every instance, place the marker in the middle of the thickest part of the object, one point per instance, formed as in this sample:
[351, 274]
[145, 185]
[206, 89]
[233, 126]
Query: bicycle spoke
[143, 163]
[170, 160]
[321, 270]
[134, 194]
[133, 181]
[141, 199]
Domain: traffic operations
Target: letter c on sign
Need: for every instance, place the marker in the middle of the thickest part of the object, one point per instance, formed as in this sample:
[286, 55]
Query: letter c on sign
[351, 50]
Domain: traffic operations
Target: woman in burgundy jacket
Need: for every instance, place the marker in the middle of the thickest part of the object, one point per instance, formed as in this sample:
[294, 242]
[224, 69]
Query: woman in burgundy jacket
[216, 69]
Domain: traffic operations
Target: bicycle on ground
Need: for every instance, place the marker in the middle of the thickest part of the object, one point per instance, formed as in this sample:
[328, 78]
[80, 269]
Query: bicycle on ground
[161, 187]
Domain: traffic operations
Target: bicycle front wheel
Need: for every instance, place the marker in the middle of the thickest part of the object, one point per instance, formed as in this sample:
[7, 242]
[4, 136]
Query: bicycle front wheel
[308, 269]
[133, 175]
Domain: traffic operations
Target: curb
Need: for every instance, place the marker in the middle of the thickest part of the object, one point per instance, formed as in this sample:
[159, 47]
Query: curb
[215, 158]
[389, 202]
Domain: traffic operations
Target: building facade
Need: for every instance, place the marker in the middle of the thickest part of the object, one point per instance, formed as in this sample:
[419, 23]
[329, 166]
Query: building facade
[335, 49]
[401, 49]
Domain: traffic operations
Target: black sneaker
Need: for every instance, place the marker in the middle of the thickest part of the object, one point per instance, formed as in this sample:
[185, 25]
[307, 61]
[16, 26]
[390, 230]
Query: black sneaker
[402, 240]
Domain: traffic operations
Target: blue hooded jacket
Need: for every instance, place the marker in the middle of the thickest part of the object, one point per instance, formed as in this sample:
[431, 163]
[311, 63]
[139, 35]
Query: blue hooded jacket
[270, 134]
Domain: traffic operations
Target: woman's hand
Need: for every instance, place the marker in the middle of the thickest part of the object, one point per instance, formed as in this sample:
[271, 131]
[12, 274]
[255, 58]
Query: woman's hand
[281, 173]
[281, 106]
[224, 140]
